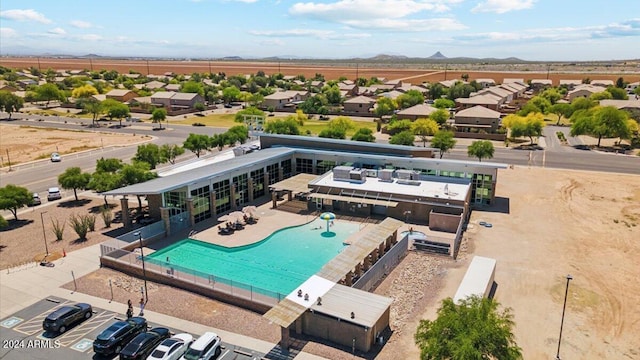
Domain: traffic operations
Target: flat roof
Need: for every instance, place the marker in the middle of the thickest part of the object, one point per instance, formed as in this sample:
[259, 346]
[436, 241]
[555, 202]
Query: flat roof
[416, 188]
[340, 301]
[307, 142]
[174, 181]
[476, 279]
[359, 200]
[297, 183]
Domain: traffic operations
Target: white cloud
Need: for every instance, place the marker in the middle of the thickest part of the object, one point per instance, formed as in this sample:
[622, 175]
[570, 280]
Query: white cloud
[345, 10]
[398, 15]
[81, 24]
[24, 15]
[90, 37]
[6, 32]
[503, 6]
[57, 31]
[320, 34]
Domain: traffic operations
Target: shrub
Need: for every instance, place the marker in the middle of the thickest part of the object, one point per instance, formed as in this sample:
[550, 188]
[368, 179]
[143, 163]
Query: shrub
[80, 226]
[3, 222]
[91, 221]
[107, 216]
[58, 229]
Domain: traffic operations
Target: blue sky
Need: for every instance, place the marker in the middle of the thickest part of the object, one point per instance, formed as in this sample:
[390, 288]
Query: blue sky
[528, 29]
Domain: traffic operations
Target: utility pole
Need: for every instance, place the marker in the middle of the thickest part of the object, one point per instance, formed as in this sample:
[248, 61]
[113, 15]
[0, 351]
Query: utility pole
[91, 64]
[548, 68]
[566, 291]
[39, 68]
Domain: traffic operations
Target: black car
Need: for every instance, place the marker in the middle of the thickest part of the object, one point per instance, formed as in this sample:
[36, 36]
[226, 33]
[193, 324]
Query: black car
[65, 317]
[142, 345]
[115, 337]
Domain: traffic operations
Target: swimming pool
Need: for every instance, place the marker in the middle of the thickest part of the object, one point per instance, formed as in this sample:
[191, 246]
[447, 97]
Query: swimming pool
[279, 263]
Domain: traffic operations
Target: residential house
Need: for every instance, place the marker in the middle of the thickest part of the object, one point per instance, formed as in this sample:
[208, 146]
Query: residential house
[172, 87]
[99, 97]
[504, 94]
[395, 83]
[162, 99]
[489, 101]
[631, 104]
[476, 119]
[358, 105]
[570, 84]
[4, 86]
[366, 90]
[602, 83]
[541, 84]
[450, 83]
[512, 80]
[393, 94]
[406, 87]
[181, 101]
[381, 87]
[24, 83]
[132, 76]
[351, 89]
[122, 95]
[517, 88]
[154, 85]
[584, 90]
[282, 99]
[416, 112]
[485, 83]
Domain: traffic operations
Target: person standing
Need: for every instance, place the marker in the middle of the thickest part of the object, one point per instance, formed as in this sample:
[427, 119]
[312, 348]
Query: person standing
[129, 309]
[142, 306]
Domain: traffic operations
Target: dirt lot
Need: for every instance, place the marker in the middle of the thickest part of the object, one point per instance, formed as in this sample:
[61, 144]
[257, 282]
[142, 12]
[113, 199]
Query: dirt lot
[32, 143]
[413, 73]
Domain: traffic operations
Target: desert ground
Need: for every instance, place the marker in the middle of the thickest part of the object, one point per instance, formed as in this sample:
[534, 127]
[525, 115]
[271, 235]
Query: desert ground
[29, 143]
[412, 73]
[546, 224]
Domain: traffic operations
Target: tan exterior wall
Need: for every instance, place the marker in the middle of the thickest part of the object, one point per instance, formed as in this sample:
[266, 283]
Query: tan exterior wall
[155, 203]
[342, 332]
[444, 222]
[358, 108]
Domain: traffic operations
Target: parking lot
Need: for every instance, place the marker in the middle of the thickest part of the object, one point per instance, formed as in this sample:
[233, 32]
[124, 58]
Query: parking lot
[22, 335]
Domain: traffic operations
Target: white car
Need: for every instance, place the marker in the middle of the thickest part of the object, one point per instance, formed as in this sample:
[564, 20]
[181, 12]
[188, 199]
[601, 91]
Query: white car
[55, 157]
[205, 348]
[172, 348]
[54, 194]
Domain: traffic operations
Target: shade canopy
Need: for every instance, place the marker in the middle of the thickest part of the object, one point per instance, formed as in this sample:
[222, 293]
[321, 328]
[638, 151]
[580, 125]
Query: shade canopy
[249, 209]
[327, 216]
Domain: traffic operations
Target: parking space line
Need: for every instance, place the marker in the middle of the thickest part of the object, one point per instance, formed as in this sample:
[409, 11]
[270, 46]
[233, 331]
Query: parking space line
[85, 328]
[34, 324]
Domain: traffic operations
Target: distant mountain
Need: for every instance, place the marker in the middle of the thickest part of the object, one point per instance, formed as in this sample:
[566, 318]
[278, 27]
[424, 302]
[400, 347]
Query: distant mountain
[232, 58]
[387, 57]
[437, 56]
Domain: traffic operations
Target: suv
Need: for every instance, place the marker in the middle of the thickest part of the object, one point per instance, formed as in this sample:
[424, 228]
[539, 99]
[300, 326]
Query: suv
[206, 347]
[54, 194]
[35, 200]
[112, 340]
[141, 345]
[65, 317]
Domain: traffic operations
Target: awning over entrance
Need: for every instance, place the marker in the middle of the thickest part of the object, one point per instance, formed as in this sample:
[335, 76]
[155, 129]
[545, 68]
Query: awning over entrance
[351, 199]
[296, 184]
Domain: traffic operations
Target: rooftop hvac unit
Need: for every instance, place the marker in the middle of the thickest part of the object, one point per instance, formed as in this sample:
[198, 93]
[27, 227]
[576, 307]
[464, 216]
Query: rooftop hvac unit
[386, 175]
[404, 174]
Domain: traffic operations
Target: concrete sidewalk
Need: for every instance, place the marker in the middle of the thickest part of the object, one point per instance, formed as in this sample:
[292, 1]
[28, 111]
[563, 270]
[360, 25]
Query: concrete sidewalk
[21, 288]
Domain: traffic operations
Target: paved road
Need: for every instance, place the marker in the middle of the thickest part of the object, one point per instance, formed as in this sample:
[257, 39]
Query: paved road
[39, 176]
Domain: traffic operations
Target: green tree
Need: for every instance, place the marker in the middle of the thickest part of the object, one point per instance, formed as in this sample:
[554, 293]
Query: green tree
[3, 222]
[316, 104]
[617, 93]
[409, 99]
[552, 95]
[562, 110]
[84, 91]
[443, 141]
[384, 106]
[286, 126]
[529, 126]
[10, 103]
[402, 138]
[240, 132]
[440, 116]
[115, 109]
[474, 329]
[396, 126]
[196, 143]
[364, 134]
[444, 104]
[424, 128]
[192, 87]
[158, 116]
[199, 106]
[47, 92]
[620, 83]
[14, 197]
[251, 110]
[581, 103]
[332, 93]
[333, 133]
[482, 149]
[169, 152]
[535, 104]
[230, 94]
[342, 123]
[149, 153]
[436, 90]
[94, 107]
[601, 122]
[603, 95]
[74, 178]
[460, 90]
[109, 165]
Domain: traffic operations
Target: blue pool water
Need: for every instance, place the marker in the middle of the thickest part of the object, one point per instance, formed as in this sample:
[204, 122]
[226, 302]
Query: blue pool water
[279, 263]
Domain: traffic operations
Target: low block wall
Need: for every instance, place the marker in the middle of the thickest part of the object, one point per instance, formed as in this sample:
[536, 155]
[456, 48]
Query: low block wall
[444, 222]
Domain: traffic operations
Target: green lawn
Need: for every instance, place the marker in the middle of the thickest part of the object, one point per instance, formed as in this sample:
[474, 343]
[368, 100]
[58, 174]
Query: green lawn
[227, 121]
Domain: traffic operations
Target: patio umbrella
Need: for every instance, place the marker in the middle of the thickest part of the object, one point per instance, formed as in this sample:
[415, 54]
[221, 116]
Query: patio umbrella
[250, 209]
[236, 215]
[224, 218]
[328, 216]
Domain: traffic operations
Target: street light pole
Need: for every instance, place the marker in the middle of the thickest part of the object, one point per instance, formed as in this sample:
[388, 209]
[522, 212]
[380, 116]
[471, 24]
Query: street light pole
[144, 271]
[44, 236]
[566, 291]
